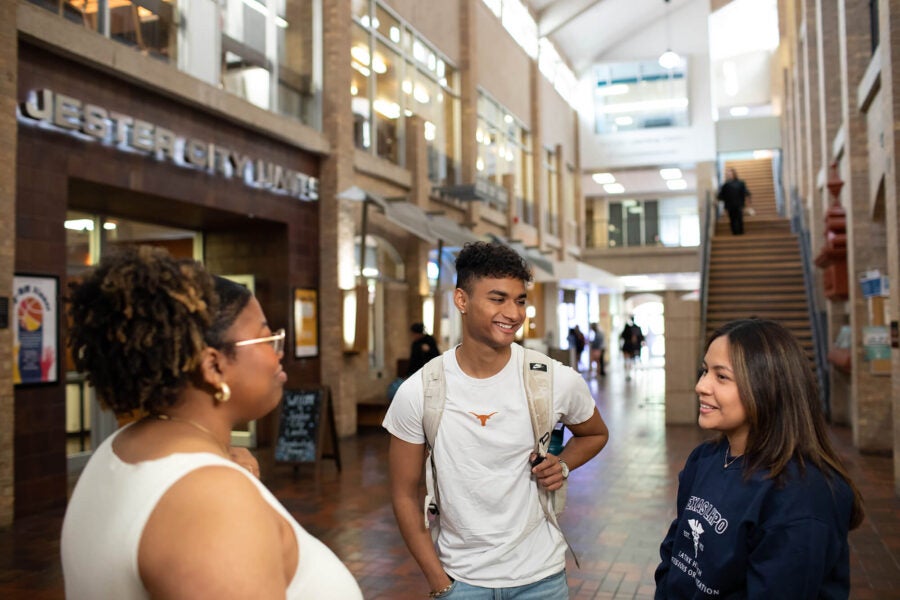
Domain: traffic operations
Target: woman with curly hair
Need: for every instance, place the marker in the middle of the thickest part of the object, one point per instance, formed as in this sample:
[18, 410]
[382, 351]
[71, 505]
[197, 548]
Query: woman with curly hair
[764, 509]
[160, 510]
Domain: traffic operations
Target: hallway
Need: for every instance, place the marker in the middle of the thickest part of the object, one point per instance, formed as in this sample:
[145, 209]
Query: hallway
[618, 510]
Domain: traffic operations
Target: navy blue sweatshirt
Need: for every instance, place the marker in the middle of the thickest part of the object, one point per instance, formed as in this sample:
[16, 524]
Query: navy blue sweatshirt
[753, 539]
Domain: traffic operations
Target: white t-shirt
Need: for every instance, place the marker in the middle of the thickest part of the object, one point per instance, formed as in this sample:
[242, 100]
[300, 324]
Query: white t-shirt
[111, 504]
[493, 532]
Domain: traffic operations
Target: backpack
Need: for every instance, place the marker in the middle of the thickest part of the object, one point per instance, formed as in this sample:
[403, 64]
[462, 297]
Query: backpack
[538, 379]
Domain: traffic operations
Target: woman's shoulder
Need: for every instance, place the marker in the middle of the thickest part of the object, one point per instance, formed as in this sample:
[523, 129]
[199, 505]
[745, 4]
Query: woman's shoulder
[806, 491]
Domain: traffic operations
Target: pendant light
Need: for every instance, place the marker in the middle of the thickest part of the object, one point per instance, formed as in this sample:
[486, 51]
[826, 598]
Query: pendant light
[669, 59]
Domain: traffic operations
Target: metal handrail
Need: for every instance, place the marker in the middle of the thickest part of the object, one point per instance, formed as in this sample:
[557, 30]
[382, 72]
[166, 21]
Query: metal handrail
[705, 252]
[817, 318]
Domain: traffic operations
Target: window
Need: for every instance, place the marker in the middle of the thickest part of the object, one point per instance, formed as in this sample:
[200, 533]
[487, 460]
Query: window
[268, 53]
[405, 76]
[551, 211]
[147, 26]
[504, 148]
[267, 61]
[639, 95]
[670, 222]
[518, 22]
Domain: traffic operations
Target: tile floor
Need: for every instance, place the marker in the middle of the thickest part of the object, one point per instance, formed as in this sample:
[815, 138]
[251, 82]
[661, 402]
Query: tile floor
[618, 510]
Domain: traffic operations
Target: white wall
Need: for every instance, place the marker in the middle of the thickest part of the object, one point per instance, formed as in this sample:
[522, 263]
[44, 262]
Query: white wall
[670, 145]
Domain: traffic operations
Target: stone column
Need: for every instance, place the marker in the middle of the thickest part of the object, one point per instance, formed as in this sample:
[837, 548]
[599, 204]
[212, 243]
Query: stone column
[829, 58]
[8, 82]
[890, 86]
[468, 92]
[337, 217]
[683, 350]
[416, 259]
[870, 408]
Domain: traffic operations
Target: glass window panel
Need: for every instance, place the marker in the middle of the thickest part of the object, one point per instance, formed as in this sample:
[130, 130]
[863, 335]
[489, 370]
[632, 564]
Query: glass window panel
[361, 11]
[386, 24]
[387, 66]
[651, 222]
[360, 78]
[640, 95]
[297, 93]
[616, 225]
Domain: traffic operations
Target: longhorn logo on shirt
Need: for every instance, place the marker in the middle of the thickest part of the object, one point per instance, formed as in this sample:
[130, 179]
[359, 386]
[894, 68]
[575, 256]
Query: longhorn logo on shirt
[483, 418]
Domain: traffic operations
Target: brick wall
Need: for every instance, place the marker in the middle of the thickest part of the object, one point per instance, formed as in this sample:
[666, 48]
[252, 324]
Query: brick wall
[8, 59]
[247, 230]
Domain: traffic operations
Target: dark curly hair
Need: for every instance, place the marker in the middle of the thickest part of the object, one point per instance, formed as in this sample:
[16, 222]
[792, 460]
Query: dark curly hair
[139, 320]
[478, 260]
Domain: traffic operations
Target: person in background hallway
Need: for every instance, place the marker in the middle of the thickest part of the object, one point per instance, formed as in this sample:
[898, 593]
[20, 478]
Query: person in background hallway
[494, 537]
[423, 348]
[580, 343]
[735, 194]
[598, 349]
[160, 511]
[763, 510]
[632, 340]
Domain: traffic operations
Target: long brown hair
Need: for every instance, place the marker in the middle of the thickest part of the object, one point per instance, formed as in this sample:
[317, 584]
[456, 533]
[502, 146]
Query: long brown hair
[780, 395]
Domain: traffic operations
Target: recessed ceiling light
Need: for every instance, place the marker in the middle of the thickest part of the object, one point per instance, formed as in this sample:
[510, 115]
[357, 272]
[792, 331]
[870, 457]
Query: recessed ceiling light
[676, 184]
[672, 173]
[603, 178]
[614, 188]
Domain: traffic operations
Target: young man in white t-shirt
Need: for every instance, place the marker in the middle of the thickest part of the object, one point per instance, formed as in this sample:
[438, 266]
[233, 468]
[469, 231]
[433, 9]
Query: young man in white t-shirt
[493, 532]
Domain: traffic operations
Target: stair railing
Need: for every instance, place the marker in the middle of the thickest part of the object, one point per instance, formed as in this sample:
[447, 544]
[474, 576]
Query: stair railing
[817, 317]
[710, 212]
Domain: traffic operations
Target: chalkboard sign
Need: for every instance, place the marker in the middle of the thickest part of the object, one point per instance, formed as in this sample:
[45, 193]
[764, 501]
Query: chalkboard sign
[306, 417]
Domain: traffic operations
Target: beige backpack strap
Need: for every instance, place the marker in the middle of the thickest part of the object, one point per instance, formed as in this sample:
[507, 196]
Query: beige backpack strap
[433, 409]
[538, 378]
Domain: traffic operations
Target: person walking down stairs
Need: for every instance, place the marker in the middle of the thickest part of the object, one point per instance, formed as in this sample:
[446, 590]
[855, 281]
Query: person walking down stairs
[735, 194]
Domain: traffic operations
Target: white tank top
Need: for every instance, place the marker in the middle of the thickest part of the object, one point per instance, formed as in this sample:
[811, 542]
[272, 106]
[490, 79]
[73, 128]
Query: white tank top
[111, 504]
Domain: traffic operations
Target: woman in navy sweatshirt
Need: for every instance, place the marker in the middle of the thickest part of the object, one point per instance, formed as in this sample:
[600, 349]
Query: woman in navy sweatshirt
[764, 509]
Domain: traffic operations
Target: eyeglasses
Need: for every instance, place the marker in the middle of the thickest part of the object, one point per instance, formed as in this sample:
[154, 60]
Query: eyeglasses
[276, 340]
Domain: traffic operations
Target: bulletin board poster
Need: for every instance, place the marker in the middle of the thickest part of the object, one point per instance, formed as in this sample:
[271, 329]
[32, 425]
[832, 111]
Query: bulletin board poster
[306, 323]
[36, 310]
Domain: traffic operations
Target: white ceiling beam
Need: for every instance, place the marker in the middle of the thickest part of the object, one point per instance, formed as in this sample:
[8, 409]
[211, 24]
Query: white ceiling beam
[560, 13]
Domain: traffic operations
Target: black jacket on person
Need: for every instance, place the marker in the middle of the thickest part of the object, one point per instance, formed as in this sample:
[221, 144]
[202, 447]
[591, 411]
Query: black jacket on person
[420, 352]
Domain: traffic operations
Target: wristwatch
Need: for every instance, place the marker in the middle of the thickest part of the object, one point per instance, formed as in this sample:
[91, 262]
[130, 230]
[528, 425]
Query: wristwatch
[565, 469]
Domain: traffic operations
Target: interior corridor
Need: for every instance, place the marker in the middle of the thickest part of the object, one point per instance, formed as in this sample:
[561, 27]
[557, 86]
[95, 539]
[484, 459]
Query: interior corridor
[618, 509]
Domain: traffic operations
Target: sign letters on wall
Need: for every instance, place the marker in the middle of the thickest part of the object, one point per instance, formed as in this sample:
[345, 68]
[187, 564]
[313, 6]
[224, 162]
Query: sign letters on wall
[128, 133]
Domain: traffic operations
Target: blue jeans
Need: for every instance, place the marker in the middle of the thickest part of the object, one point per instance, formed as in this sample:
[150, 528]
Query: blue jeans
[554, 587]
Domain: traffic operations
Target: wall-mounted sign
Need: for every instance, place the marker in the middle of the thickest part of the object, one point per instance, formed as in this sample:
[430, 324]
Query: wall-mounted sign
[306, 323]
[130, 134]
[35, 355]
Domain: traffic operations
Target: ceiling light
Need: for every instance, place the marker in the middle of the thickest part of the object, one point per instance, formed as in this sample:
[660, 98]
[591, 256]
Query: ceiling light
[624, 121]
[614, 188]
[676, 184]
[603, 178]
[669, 59]
[672, 173]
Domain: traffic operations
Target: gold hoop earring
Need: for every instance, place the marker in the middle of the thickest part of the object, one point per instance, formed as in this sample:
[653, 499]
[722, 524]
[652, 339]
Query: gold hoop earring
[223, 394]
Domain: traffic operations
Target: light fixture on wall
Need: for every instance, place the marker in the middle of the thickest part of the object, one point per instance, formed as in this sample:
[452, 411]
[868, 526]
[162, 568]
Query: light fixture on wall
[669, 59]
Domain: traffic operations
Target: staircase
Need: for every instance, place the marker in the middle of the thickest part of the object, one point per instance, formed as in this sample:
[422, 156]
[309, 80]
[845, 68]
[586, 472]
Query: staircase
[758, 274]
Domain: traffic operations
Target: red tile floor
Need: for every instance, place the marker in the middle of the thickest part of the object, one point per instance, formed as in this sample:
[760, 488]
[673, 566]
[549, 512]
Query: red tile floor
[618, 510]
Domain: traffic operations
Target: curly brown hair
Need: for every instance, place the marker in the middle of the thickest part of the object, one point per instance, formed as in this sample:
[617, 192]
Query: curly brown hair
[138, 321]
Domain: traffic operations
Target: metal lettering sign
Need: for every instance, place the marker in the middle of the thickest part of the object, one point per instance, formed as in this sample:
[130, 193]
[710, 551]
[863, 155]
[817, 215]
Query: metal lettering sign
[65, 113]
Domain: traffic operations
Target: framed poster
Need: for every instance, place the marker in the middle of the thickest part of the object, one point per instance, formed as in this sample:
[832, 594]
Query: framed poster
[306, 326]
[35, 326]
